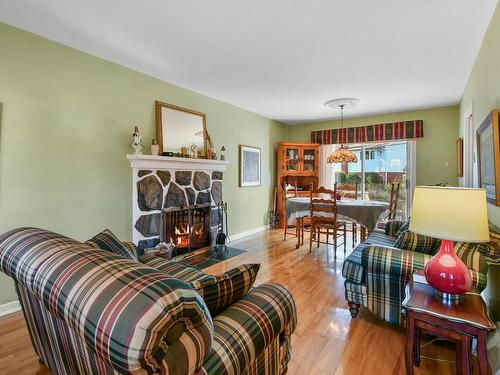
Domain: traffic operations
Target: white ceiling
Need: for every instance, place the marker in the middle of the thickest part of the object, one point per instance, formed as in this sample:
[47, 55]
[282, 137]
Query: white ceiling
[280, 58]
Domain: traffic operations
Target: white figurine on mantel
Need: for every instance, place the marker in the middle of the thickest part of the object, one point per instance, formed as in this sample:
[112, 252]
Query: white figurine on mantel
[193, 151]
[137, 143]
[155, 149]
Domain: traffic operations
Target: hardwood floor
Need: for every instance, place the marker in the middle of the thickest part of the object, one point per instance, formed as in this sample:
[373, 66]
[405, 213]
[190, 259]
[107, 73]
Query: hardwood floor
[327, 340]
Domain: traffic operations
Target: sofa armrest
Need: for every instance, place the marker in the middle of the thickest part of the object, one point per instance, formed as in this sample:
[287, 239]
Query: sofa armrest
[393, 261]
[392, 227]
[130, 315]
[247, 327]
[398, 263]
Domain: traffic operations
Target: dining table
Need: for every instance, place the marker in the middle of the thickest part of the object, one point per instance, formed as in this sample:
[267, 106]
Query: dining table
[363, 211]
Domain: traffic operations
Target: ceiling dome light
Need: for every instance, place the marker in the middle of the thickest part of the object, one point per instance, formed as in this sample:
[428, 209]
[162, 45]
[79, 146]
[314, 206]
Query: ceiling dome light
[342, 155]
[345, 102]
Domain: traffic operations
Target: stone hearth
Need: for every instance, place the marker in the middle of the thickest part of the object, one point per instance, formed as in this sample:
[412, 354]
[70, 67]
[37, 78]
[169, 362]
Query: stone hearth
[161, 182]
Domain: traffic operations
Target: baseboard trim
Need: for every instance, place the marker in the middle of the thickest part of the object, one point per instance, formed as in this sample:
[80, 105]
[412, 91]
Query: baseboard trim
[247, 233]
[10, 307]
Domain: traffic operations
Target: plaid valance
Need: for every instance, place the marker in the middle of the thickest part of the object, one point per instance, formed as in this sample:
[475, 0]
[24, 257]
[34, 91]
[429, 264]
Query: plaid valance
[372, 133]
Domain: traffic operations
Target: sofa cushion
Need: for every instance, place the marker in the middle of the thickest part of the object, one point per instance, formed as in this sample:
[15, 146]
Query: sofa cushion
[352, 269]
[220, 291]
[471, 254]
[391, 227]
[491, 252]
[379, 239]
[106, 240]
[412, 241]
[178, 270]
[404, 227]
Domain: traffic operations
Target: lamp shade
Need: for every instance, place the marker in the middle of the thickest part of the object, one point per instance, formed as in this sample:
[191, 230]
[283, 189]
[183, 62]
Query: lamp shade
[449, 213]
[342, 155]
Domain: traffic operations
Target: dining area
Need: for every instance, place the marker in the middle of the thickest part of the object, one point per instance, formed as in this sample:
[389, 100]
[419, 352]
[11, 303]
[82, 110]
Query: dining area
[329, 213]
[333, 199]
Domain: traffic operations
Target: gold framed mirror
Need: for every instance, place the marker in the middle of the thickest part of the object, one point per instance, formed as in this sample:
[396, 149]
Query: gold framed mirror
[180, 128]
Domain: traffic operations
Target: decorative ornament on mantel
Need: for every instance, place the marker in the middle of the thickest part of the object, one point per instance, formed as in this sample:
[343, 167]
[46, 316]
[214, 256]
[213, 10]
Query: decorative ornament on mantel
[155, 149]
[137, 142]
[342, 155]
[222, 153]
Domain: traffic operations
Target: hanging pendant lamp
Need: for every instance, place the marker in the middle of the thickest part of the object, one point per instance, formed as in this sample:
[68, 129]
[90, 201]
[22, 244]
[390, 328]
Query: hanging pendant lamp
[342, 155]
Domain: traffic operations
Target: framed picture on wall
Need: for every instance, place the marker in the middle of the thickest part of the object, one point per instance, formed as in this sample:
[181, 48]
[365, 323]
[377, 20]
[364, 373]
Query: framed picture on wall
[250, 166]
[460, 157]
[488, 147]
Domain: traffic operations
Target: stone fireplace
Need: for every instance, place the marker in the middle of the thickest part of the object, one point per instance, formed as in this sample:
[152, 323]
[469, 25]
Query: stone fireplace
[178, 191]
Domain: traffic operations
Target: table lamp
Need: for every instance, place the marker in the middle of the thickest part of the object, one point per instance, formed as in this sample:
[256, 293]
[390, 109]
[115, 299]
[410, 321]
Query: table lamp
[450, 214]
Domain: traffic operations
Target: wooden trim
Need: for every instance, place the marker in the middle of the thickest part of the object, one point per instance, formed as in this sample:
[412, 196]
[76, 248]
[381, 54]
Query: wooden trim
[298, 144]
[159, 129]
[460, 157]
[10, 307]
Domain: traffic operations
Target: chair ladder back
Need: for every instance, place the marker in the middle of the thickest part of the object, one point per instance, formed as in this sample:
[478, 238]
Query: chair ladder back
[393, 203]
[321, 204]
[328, 223]
[348, 191]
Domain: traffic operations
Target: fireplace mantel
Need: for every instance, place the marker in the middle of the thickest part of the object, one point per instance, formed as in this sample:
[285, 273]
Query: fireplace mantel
[174, 163]
[163, 182]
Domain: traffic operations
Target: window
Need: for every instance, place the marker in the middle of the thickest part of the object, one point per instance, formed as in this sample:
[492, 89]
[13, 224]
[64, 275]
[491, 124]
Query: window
[370, 155]
[379, 165]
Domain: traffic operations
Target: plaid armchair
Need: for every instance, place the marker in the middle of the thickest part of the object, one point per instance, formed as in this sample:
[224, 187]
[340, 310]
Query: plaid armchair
[377, 272]
[93, 312]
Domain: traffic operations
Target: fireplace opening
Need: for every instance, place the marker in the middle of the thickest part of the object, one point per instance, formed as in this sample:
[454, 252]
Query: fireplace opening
[187, 228]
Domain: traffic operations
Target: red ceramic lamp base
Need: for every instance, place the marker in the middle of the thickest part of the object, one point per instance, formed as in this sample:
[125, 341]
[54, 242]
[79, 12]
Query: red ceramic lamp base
[446, 273]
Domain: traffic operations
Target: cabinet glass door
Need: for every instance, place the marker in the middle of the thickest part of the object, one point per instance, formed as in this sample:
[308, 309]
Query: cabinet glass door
[309, 160]
[292, 159]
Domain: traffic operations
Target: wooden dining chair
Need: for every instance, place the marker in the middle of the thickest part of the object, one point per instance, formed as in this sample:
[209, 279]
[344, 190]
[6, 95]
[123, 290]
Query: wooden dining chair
[323, 202]
[288, 193]
[393, 207]
[393, 202]
[348, 191]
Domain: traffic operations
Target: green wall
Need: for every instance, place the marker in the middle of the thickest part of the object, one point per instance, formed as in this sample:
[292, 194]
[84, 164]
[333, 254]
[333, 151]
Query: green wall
[433, 151]
[482, 94]
[66, 125]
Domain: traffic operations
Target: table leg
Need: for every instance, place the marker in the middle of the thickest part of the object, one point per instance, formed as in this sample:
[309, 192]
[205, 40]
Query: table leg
[458, 356]
[484, 366]
[416, 349]
[410, 342]
[302, 231]
[297, 233]
[363, 233]
[465, 348]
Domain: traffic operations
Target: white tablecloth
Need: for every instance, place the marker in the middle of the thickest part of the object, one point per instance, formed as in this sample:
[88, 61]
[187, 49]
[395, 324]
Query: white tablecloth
[364, 212]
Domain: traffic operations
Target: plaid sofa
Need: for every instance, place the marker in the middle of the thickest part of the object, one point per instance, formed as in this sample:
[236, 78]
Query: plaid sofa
[93, 312]
[376, 272]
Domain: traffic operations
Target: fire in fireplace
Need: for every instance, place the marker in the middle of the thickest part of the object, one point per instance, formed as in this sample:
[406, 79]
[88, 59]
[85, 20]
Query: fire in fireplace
[187, 228]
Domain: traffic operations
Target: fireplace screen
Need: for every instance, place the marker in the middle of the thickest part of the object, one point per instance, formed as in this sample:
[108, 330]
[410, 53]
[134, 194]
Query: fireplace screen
[187, 228]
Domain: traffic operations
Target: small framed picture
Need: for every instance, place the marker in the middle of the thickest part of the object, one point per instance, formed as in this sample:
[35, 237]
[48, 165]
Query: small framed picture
[250, 166]
[488, 146]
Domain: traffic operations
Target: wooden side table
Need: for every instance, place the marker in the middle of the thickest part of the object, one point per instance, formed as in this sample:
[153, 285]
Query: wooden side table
[456, 321]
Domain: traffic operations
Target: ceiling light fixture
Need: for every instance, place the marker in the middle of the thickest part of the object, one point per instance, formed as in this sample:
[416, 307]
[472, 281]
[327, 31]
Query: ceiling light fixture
[342, 155]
